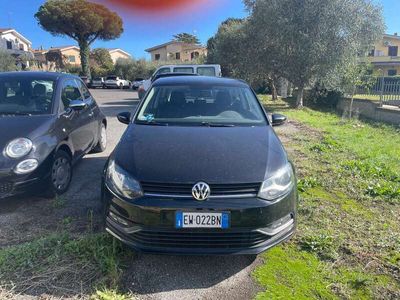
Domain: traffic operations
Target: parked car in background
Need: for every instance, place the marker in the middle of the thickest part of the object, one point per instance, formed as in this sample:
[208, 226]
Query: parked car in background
[202, 70]
[200, 170]
[97, 82]
[138, 82]
[117, 82]
[48, 122]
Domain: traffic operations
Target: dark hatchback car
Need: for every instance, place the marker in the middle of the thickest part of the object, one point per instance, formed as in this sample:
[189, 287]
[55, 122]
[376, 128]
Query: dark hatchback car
[47, 122]
[200, 170]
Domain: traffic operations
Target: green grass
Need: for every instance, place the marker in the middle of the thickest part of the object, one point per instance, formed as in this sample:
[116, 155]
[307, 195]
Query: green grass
[348, 240]
[95, 258]
[375, 98]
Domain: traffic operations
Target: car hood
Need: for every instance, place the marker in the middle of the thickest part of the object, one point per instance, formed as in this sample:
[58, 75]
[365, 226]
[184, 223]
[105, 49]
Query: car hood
[174, 154]
[31, 127]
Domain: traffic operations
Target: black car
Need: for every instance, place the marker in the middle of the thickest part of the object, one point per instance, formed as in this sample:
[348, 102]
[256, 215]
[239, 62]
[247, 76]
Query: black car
[200, 170]
[47, 122]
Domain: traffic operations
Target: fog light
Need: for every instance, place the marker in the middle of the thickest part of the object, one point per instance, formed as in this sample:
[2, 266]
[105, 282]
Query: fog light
[278, 226]
[26, 166]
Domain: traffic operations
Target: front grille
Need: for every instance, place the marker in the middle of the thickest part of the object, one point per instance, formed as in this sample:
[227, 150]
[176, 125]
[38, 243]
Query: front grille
[5, 188]
[198, 239]
[186, 189]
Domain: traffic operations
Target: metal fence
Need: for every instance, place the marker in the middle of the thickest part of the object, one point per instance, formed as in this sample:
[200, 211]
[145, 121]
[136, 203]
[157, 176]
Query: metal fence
[386, 90]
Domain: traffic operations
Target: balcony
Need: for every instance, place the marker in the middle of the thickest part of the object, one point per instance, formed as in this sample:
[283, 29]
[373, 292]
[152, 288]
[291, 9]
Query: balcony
[382, 60]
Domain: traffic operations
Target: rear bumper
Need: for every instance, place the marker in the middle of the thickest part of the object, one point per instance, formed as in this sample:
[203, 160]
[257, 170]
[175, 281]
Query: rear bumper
[148, 224]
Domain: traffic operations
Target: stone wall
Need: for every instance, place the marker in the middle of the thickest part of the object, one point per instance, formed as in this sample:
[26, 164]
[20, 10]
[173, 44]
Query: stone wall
[371, 110]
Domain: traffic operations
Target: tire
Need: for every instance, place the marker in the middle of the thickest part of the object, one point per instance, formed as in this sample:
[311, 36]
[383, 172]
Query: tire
[102, 143]
[60, 175]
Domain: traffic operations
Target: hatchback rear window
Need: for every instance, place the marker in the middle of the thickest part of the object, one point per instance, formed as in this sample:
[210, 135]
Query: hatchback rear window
[183, 70]
[206, 71]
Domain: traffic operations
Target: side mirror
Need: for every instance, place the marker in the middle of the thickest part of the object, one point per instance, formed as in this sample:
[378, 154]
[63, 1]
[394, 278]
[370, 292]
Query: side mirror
[278, 119]
[77, 105]
[124, 117]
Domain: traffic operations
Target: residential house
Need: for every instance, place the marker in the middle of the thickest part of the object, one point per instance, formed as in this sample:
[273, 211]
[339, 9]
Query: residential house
[71, 54]
[176, 51]
[117, 53]
[385, 55]
[17, 45]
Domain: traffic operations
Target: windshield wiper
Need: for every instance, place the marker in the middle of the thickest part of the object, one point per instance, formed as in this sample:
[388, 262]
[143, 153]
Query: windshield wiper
[208, 124]
[153, 123]
[15, 114]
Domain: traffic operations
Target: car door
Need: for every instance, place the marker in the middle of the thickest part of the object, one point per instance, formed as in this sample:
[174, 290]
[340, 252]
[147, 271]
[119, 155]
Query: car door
[78, 125]
[93, 109]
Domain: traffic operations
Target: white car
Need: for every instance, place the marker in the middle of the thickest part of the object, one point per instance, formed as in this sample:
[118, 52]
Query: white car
[97, 82]
[202, 70]
[117, 82]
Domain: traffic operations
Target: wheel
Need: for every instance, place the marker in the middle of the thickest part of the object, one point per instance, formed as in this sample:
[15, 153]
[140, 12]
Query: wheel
[102, 143]
[60, 175]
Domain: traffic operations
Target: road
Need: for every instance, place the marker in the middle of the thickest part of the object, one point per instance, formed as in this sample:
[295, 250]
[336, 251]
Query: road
[149, 276]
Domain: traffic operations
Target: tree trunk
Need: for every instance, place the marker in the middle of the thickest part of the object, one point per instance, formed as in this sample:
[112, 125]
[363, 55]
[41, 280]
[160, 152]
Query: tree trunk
[85, 53]
[273, 89]
[300, 95]
[351, 102]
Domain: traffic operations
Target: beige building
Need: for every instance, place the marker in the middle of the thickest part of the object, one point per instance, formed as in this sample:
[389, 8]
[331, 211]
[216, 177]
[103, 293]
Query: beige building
[71, 54]
[176, 51]
[117, 53]
[385, 56]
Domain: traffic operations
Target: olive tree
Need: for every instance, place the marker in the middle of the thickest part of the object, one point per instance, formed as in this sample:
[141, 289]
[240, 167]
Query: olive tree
[7, 61]
[101, 62]
[82, 21]
[231, 48]
[304, 40]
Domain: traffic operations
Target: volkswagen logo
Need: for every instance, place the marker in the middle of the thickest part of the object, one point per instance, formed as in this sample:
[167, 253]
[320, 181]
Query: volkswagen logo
[201, 191]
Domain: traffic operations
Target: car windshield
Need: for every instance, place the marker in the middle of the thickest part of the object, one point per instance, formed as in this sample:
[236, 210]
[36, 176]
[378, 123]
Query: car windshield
[26, 95]
[202, 106]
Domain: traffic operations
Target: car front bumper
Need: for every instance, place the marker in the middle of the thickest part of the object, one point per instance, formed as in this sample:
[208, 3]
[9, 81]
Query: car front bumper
[148, 224]
[12, 184]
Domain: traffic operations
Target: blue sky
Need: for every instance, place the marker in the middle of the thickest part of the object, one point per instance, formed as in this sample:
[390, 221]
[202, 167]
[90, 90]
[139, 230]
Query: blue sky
[142, 32]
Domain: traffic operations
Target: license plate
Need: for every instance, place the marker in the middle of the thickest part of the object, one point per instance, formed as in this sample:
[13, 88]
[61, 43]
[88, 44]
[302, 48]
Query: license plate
[201, 220]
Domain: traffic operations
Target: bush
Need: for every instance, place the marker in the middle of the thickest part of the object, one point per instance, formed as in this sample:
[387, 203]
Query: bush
[320, 97]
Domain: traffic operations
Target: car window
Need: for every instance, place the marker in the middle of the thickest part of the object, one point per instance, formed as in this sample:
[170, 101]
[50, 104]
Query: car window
[70, 92]
[111, 78]
[84, 90]
[162, 71]
[183, 70]
[26, 95]
[206, 71]
[200, 105]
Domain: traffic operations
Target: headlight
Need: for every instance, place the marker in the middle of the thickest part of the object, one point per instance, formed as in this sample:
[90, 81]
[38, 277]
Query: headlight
[121, 183]
[26, 166]
[18, 148]
[278, 185]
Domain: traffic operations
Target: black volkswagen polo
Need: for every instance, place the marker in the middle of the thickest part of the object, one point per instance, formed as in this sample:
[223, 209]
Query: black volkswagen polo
[47, 122]
[199, 170]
